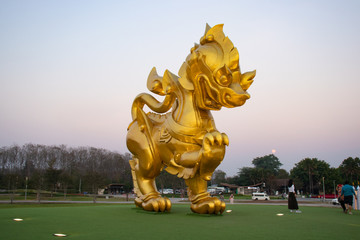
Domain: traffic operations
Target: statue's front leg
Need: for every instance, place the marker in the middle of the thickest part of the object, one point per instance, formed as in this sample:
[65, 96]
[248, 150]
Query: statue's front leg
[209, 157]
[206, 158]
[201, 202]
[212, 153]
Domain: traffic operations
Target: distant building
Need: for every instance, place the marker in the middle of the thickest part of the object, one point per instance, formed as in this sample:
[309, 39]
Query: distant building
[244, 190]
[115, 189]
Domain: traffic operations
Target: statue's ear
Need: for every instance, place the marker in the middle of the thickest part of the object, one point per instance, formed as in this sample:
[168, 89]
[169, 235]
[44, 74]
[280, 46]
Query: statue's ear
[184, 81]
[168, 82]
[154, 82]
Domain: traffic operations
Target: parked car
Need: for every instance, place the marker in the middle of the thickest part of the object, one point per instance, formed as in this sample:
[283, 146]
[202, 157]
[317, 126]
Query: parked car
[260, 196]
[216, 190]
[284, 196]
[167, 191]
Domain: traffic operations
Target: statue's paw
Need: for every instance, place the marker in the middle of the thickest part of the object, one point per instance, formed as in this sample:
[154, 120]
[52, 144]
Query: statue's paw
[138, 202]
[213, 147]
[212, 153]
[215, 139]
[158, 204]
[212, 205]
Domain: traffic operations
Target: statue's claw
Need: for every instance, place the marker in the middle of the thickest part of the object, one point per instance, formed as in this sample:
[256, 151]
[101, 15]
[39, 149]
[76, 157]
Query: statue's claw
[225, 139]
[158, 204]
[215, 139]
[212, 205]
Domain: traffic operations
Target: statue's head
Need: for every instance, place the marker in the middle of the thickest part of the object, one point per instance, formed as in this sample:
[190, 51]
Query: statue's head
[212, 71]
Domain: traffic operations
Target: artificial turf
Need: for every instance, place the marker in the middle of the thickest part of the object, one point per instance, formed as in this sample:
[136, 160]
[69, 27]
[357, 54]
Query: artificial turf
[125, 221]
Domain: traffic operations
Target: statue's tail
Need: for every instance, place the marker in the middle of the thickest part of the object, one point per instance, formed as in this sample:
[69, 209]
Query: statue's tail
[162, 86]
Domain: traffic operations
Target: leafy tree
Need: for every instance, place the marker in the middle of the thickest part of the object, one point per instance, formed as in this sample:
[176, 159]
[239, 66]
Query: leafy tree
[267, 169]
[65, 181]
[218, 177]
[37, 181]
[52, 174]
[52, 178]
[234, 180]
[350, 167]
[270, 163]
[310, 172]
[249, 176]
[334, 177]
[126, 177]
[282, 174]
[60, 167]
[93, 181]
[245, 176]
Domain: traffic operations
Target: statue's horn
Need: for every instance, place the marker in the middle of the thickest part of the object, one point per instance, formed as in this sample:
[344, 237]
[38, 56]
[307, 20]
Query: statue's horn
[207, 28]
[246, 79]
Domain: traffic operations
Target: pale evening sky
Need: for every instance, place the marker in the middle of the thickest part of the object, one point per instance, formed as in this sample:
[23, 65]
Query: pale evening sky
[69, 71]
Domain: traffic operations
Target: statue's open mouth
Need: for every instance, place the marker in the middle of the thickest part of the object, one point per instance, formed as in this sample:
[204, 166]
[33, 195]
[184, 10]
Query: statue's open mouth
[215, 98]
[230, 98]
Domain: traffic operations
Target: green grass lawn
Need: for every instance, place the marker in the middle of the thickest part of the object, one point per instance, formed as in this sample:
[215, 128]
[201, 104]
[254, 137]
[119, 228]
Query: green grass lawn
[60, 197]
[124, 221]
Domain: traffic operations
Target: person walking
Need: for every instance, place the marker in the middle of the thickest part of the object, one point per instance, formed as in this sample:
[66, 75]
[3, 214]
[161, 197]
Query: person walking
[340, 198]
[356, 206]
[358, 196]
[231, 198]
[348, 192]
[292, 202]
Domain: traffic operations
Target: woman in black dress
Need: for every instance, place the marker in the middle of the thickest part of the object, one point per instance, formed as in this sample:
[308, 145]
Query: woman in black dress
[292, 202]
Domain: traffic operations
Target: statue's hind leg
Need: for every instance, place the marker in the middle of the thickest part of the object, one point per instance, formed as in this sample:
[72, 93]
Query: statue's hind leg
[145, 168]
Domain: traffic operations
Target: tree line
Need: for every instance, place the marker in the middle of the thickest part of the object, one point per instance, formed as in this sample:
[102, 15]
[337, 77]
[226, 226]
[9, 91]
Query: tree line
[62, 168]
[310, 174]
[86, 169]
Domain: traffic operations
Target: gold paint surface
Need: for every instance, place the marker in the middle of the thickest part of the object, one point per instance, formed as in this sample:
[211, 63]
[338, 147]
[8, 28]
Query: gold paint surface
[179, 135]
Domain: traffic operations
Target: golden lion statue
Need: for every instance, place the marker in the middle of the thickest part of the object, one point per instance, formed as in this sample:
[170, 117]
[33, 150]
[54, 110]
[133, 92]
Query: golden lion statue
[185, 141]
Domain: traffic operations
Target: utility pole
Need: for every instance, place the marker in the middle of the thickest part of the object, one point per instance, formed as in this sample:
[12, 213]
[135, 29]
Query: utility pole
[26, 183]
[324, 187]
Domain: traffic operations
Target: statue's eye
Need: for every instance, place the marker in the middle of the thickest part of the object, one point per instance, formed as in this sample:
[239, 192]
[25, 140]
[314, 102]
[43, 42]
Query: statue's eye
[223, 76]
[225, 80]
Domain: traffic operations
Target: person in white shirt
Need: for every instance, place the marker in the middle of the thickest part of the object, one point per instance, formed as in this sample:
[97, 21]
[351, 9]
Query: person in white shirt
[292, 202]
